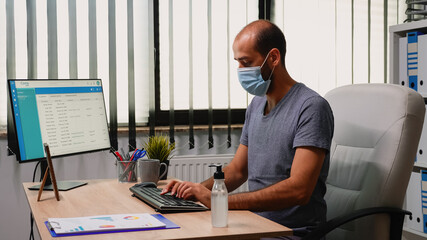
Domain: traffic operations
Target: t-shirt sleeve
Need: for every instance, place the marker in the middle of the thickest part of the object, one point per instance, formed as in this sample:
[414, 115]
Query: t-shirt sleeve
[315, 124]
[244, 136]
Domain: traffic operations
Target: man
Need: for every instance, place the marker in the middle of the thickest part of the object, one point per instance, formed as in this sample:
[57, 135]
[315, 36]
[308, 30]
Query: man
[284, 150]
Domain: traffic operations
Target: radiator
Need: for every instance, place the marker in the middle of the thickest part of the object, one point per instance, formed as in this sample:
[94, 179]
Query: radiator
[195, 168]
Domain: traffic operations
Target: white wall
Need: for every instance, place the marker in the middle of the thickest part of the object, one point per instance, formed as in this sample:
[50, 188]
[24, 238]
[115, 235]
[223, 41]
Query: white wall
[14, 208]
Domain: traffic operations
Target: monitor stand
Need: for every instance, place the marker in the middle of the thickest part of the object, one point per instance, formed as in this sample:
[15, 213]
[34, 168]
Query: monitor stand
[62, 185]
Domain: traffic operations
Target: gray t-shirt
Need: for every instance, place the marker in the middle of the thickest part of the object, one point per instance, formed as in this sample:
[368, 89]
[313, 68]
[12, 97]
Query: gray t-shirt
[301, 118]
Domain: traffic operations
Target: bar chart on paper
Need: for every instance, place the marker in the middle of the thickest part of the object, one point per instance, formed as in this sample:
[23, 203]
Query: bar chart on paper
[104, 223]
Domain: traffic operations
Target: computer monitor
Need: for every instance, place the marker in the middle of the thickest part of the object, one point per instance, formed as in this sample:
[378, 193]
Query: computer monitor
[67, 114]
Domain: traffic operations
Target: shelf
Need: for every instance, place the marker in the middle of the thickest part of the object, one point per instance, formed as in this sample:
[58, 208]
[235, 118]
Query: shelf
[397, 32]
[420, 165]
[403, 28]
[410, 230]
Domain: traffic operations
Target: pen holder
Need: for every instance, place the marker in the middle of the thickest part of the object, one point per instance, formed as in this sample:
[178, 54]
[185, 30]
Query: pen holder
[127, 171]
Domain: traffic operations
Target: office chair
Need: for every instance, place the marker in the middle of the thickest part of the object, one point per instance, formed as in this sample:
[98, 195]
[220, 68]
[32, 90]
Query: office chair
[377, 130]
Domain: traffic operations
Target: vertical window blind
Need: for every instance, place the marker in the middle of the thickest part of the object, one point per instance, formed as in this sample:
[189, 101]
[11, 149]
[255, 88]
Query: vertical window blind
[163, 59]
[82, 39]
[337, 42]
[203, 38]
[197, 69]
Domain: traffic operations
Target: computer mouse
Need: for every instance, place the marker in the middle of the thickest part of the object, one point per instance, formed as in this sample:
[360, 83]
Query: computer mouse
[146, 184]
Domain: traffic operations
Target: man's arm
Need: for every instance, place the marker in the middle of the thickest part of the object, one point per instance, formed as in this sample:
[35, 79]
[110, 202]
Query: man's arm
[236, 172]
[296, 190]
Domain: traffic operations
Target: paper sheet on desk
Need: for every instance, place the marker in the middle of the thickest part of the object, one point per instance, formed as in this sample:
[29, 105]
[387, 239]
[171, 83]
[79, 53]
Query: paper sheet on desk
[104, 223]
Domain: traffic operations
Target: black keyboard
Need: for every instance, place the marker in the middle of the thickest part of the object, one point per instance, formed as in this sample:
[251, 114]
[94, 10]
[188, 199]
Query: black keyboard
[165, 203]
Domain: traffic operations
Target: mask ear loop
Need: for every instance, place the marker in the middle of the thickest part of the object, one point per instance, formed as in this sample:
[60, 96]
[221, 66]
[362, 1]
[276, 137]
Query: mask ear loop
[265, 60]
[271, 74]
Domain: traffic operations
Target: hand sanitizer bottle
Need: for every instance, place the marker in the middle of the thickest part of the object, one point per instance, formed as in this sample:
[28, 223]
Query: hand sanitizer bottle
[219, 199]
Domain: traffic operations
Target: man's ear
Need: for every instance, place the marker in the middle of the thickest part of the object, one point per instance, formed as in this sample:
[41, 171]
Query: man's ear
[275, 56]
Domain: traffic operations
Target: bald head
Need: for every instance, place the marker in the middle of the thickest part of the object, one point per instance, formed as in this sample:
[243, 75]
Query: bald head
[254, 27]
[265, 36]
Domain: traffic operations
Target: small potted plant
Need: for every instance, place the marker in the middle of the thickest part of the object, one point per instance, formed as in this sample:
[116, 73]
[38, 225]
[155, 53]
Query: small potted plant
[159, 147]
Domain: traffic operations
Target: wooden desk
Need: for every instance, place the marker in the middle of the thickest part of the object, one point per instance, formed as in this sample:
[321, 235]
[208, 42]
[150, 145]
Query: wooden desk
[101, 197]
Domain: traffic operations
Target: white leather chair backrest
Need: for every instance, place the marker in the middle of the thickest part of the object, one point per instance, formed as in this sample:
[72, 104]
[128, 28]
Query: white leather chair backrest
[377, 130]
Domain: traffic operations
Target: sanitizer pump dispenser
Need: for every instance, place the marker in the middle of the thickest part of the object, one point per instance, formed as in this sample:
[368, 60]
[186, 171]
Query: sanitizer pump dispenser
[219, 199]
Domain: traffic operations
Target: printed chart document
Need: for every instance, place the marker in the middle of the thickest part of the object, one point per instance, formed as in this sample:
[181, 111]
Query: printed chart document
[102, 223]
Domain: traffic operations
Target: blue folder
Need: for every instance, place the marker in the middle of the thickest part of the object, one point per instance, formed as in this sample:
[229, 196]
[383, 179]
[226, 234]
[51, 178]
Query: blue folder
[169, 225]
[424, 198]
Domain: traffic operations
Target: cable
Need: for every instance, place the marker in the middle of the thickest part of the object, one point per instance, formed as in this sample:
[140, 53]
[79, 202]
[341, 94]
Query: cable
[31, 214]
[31, 225]
[35, 170]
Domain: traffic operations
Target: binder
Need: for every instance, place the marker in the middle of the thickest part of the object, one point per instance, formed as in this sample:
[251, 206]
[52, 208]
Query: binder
[424, 198]
[403, 61]
[412, 59]
[416, 58]
[413, 203]
[422, 149]
[422, 65]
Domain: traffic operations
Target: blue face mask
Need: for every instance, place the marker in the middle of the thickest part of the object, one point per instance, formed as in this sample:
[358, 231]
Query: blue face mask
[251, 79]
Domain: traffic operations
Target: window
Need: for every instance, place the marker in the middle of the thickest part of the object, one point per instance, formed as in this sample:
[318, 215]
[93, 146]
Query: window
[197, 69]
[176, 56]
[201, 40]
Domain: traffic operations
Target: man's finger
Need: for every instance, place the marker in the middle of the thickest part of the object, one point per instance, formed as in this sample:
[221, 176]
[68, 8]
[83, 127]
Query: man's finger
[168, 187]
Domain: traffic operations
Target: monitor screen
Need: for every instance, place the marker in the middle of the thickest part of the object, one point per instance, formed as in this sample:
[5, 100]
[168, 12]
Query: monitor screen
[69, 115]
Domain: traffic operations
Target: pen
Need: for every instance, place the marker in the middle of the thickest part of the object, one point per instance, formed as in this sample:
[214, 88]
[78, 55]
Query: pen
[133, 154]
[50, 226]
[115, 155]
[119, 157]
[124, 155]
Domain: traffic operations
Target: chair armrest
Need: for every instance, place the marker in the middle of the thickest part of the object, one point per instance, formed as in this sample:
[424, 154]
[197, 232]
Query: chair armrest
[396, 221]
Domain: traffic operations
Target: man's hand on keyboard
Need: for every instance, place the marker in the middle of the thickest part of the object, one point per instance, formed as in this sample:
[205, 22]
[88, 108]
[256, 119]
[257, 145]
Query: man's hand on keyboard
[189, 191]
